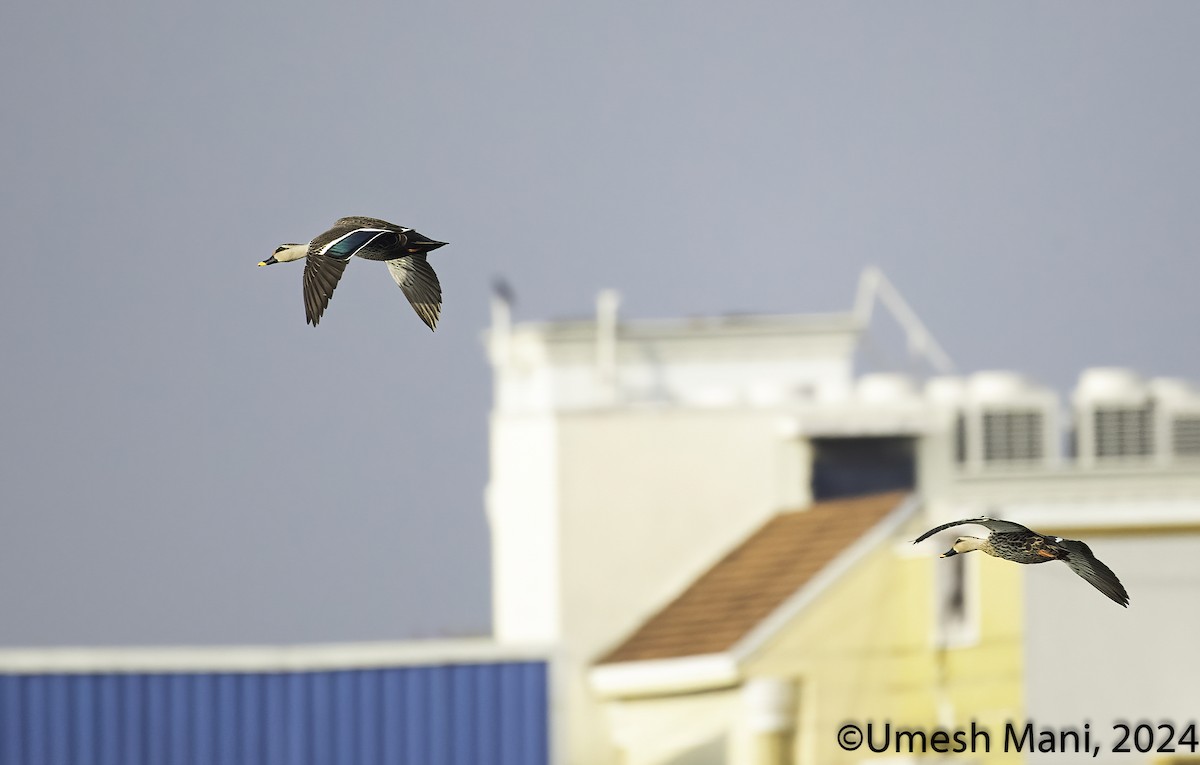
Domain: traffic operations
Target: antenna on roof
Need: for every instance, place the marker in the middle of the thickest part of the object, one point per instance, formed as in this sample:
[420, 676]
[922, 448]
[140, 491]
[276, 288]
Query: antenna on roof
[874, 287]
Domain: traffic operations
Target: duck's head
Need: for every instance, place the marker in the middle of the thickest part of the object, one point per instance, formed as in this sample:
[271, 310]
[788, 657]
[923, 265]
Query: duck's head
[285, 253]
[963, 545]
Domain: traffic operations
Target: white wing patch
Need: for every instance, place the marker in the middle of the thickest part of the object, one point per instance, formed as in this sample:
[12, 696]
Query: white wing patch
[377, 231]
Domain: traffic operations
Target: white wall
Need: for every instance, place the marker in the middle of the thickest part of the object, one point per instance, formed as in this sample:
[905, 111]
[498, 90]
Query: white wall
[648, 501]
[1089, 660]
[522, 507]
[618, 477]
[697, 729]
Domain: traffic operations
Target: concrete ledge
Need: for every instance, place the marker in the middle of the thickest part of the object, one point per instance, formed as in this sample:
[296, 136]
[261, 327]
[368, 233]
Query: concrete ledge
[665, 676]
[277, 658]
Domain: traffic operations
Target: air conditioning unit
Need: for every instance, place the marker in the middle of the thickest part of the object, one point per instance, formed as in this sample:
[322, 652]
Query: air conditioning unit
[1004, 421]
[1177, 404]
[1115, 418]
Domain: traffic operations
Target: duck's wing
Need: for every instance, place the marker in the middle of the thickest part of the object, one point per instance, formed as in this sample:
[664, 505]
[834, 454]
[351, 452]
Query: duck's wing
[420, 285]
[321, 275]
[995, 524]
[328, 255]
[1081, 560]
[358, 221]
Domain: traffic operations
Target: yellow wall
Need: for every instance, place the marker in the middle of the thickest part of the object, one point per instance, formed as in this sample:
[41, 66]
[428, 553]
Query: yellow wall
[864, 652]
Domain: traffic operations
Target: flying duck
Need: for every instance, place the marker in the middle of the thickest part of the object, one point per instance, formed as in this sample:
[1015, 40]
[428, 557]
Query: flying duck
[1012, 541]
[403, 250]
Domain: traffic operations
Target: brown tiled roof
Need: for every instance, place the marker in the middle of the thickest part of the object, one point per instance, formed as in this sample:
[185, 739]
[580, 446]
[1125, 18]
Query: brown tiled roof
[749, 583]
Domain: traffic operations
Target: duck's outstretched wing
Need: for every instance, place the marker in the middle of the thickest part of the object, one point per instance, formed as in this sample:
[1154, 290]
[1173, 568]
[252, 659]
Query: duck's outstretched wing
[995, 524]
[328, 255]
[1079, 557]
[420, 285]
[321, 276]
[359, 221]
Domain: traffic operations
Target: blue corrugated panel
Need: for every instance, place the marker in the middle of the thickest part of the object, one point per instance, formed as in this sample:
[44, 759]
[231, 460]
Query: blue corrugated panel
[461, 714]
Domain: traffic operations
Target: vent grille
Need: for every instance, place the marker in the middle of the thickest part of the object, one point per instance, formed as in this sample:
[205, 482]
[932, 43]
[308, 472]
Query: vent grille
[1185, 436]
[1124, 432]
[960, 438]
[1013, 436]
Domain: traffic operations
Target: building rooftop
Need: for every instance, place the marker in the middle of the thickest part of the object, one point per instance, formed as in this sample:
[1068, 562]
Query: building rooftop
[754, 579]
[705, 361]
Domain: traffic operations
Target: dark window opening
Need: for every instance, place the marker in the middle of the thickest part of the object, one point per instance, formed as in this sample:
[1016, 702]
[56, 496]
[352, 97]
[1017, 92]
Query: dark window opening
[848, 467]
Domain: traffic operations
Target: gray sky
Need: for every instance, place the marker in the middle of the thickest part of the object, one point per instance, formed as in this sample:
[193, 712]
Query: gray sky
[186, 461]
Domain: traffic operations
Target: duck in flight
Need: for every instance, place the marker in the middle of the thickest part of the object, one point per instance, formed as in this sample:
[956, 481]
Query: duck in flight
[402, 248]
[1012, 541]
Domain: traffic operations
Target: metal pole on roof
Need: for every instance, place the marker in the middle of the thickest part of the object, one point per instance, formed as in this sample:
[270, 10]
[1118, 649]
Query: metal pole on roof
[874, 287]
[607, 305]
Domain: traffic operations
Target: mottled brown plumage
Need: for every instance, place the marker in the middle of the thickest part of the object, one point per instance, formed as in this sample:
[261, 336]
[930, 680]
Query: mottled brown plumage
[1012, 541]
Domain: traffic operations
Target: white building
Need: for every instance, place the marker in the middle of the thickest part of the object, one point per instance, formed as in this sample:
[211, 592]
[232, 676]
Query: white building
[628, 457]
